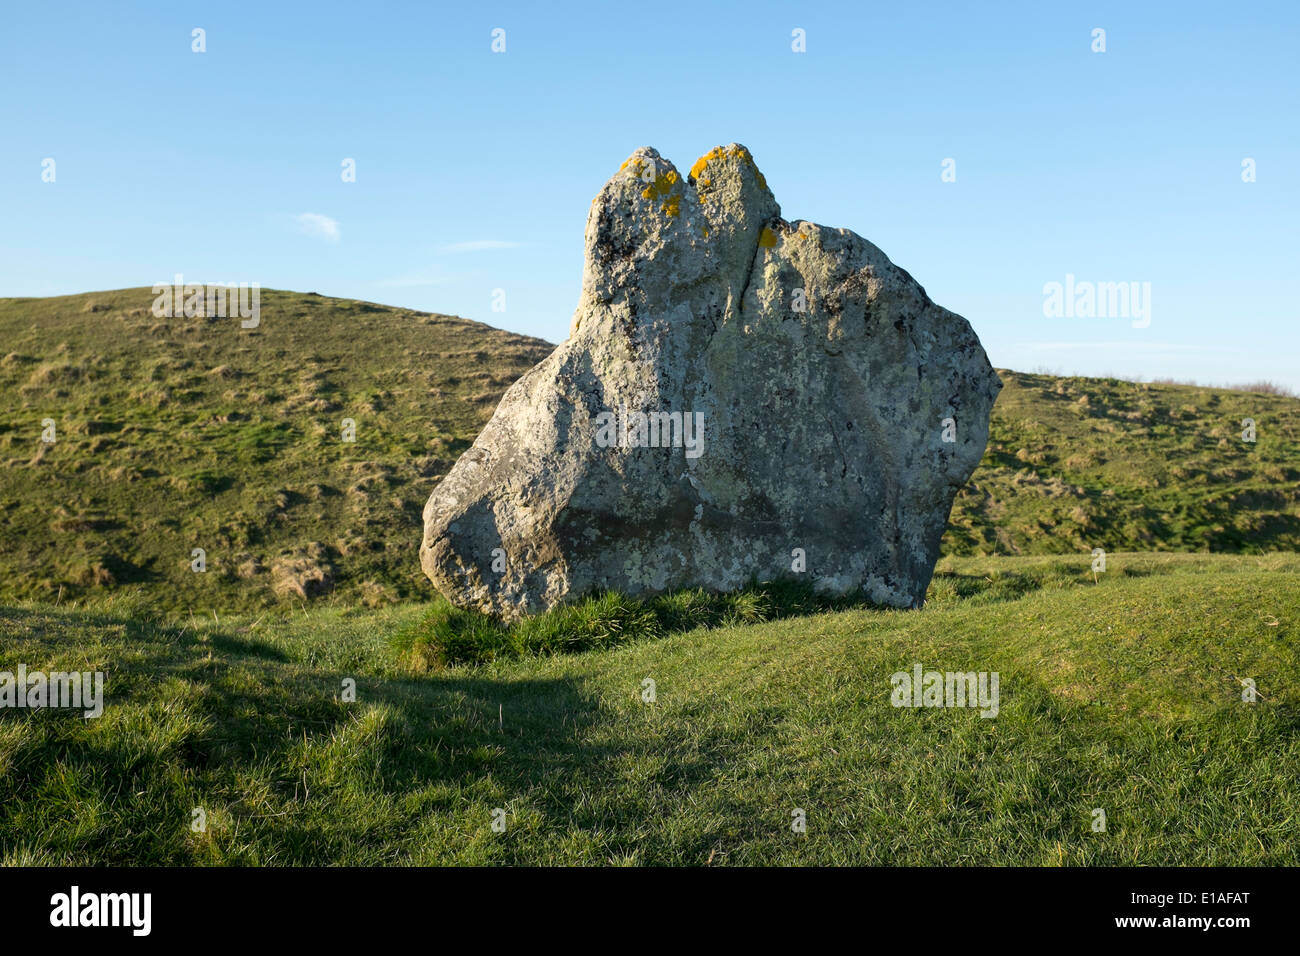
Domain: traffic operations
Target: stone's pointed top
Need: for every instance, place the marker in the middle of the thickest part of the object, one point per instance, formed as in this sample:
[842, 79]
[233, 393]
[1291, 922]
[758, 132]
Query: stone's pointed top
[735, 157]
[646, 154]
[653, 229]
[731, 186]
[725, 180]
[647, 165]
[653, 177]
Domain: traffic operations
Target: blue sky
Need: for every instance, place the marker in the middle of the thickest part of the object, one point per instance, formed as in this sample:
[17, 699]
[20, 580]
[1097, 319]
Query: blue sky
[475, 169]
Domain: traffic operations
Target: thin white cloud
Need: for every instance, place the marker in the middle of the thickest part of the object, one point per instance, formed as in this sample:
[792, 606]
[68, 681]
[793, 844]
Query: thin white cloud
[477, 245]
[317, 226]
[1118, 346]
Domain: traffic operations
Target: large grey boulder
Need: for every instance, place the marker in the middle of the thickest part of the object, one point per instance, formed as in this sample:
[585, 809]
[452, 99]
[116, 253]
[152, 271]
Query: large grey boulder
[740, 398]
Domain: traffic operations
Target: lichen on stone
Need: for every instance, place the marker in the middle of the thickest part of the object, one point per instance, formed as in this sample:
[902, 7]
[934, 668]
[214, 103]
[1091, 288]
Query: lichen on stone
[718, 153]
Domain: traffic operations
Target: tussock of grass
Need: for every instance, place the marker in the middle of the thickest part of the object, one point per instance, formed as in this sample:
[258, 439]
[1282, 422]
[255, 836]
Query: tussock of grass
[448, 635]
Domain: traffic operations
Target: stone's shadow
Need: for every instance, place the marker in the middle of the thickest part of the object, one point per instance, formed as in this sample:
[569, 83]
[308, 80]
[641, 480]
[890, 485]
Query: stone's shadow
[251, 717]
[290, 774]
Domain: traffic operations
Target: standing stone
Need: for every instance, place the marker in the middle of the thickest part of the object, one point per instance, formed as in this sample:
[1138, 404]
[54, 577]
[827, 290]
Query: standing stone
[740, 398]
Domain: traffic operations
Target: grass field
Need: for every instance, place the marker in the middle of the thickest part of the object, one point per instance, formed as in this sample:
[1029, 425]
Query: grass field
[175, 434]
[1078, 463]
[178, 434]
[228, 692]
[1122, 694]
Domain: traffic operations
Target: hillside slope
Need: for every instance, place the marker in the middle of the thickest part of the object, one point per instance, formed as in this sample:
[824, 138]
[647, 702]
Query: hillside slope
[1123, 696]
[178, 434]
[1078, 463]
[194, 433]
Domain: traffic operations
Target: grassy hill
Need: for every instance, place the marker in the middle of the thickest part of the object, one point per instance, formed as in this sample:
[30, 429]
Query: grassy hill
[1122, 695]
[1078, 463]
[194, 433]
[1121, 692]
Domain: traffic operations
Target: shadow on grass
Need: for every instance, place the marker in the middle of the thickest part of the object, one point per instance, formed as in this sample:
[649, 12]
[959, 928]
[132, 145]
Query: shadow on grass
[287, 772]
[213, 720]
[1001, 586]
[449, 635]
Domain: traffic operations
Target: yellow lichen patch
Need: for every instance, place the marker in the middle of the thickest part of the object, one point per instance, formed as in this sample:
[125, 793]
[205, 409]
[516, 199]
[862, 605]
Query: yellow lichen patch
[716, 153]
[767, 238]
[661, 185]
[720, 152]
[638, 166]
[664, 186]
[706, 232]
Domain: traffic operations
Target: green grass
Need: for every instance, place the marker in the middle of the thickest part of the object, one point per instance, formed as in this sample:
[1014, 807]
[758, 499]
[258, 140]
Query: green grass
[1121, 694]
[224, 689]
[183, 433]
[1078, 463]
[175, 434]
[449, 635]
